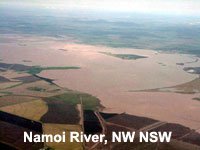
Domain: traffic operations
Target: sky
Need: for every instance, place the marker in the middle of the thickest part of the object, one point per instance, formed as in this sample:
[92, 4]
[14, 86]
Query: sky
[191, 7]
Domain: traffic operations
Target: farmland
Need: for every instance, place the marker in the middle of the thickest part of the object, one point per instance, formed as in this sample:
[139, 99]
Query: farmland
[58, 129]
[61, 113]
[32, 97]
[27, 109]
[12, 128]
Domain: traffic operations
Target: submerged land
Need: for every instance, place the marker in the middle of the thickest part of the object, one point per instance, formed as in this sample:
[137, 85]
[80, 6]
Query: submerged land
[96, 89]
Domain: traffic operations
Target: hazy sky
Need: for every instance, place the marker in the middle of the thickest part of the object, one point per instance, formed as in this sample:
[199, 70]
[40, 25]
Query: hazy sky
[160, 6]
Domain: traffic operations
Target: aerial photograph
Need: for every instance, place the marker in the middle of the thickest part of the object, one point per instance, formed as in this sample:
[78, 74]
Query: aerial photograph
[99, 67]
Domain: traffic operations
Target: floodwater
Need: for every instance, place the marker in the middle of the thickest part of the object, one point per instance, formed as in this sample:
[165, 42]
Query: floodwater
[112, 79]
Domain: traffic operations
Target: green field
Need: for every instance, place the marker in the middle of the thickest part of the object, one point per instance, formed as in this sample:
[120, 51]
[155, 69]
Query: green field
[124, 56]
[38, 69]
[73, 98]
[198, 99]
[38, 89]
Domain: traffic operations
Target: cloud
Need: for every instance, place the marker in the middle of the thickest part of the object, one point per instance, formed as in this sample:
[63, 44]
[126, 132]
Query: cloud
[159, 6]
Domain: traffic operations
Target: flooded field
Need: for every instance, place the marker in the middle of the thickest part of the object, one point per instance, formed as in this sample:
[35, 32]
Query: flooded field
[113, 80]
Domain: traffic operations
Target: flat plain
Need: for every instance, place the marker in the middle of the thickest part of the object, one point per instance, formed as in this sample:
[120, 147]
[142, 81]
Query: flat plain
[135, 90]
